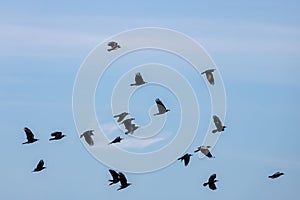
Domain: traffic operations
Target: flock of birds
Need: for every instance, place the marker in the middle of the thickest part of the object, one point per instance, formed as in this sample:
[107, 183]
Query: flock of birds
[131, 127]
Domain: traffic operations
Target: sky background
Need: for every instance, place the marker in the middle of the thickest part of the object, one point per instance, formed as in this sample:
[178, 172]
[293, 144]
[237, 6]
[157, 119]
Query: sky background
[255, 45]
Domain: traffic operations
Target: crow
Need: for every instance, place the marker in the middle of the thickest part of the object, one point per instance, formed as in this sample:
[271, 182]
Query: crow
[88, 137]
[57, 135]
[123, 181]
[209, 76]
[115, 177]
[161, 107]
[39, 167]
[113, 45]
[185, 158]
[138, 80]
[218, 124]
[211, 182]
[30, 136]
[116, 140]
[276, 175]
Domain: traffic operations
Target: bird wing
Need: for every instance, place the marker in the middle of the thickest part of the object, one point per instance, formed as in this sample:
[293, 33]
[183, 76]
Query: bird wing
[161, 107]
[122, 179]
[56, 134]
[89, 139]
[210, 78]
[114, 174]
[217, 122]
[206, 152]
[212, 185]
[112, 44]
[186, 160]
[40, 164]
[29, 133]
[138, 78]
[212, 178]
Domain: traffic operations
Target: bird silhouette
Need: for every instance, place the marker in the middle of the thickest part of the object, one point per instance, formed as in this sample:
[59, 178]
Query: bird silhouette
[57, 135]
[210, 76]
[88, 137]
[205, 151]
[211, 182]
[161, 107]
[131, 128]
[113, 45]
[276, 175]
[121, 116]
[123, 181]
[218, 124]
[30, 136]
[116, 140]
[39, 167]
[185, 158]
[115, 177]
[138, 80]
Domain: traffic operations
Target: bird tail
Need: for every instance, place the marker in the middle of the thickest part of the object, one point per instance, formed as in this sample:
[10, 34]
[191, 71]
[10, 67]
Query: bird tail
[214, 131]
[205, 184]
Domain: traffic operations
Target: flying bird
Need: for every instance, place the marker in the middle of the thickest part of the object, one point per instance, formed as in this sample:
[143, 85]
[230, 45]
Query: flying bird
[218, 124]
[205, 151]
[121, 116]
[276, 175]
[116, 140]
[115, 177]
[123, 181]
[210, 76]
[88, 137]
[161, 107]
[131, 128]
[211, 182]
[39, 167]
[30, 136]
[127, 122]
[113, 45]
[138, 80]
[185, 158]
[57, 135]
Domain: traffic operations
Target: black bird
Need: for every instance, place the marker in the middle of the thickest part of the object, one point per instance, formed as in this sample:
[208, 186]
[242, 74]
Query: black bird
[57, 135]
[210, 76]
[205, 151]
[161, 107]
[39, 167]
[30, 136]
[185, 158]
[116, 140]
[138, 80]
[123, 181]
[276, 175]
[115, 177]
[88, 137]
[131, 128]
[121, 116]
[113, 45]
[211, 182]
[218, 124]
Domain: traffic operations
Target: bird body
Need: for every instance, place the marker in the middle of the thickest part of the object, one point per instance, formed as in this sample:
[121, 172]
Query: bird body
[209, 76]
[39, 167]
[218, 124]
[113, 45]
[116, 140]
[123, 181]
[138, 80]
[276, 175]
[57, 135]
[205, 151]
[121, 116]
[161, 107]
[185, 158]
[88, 137]
[30, 136]
[211, 182]
[115, 177]
[131, 129]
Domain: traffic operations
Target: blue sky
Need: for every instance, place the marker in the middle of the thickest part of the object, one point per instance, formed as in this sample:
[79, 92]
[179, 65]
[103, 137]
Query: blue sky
[255, 46]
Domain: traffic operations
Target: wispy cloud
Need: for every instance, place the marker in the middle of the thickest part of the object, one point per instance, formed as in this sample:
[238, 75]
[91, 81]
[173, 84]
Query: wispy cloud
[134, 143]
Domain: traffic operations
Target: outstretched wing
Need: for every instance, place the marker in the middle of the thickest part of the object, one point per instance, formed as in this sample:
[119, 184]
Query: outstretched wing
[122, 179]
[139, 78]
[161, 107]
[40, 164]
[212, 178]
[206, 152]
[210, 78]
[29, 133]
[186, 160]
[112, 44]
[212, 186]
[217, 122]
[114, 174]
